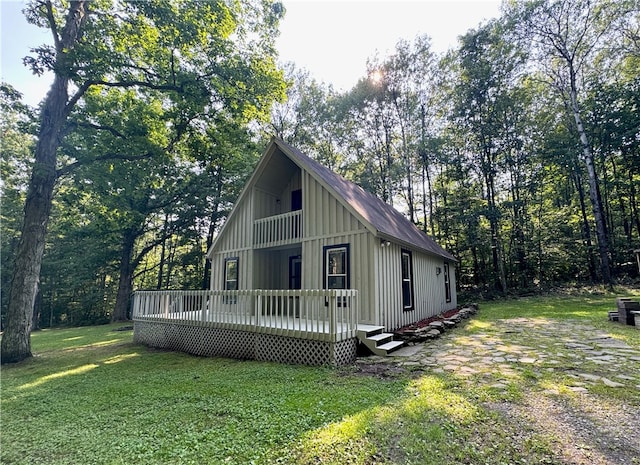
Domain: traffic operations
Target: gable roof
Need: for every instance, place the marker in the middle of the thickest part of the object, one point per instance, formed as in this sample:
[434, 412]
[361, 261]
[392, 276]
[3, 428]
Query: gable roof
[380, 218]
[386, 222]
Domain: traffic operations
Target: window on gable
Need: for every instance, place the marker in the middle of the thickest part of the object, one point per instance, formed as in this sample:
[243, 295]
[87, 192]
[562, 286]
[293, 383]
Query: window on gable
[447, 282]
[407, 280]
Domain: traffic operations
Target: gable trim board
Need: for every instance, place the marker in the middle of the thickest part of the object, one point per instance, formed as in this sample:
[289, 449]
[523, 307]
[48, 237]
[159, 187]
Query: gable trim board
[376, 231]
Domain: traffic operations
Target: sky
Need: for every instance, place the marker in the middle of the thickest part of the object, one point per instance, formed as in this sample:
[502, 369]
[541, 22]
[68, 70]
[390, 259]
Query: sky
[331, 39]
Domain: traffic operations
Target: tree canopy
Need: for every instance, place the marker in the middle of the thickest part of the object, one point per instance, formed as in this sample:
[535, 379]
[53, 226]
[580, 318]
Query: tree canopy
[518, 150]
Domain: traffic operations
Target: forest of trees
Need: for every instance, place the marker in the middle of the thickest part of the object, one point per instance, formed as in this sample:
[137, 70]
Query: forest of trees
[518, 151]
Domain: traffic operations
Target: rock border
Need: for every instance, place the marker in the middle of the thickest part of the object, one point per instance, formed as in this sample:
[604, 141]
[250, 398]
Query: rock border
[433, 327]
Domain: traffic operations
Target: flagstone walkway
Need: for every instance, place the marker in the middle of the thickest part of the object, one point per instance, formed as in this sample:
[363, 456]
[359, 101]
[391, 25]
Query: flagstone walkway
[508, 348]
[584, 427]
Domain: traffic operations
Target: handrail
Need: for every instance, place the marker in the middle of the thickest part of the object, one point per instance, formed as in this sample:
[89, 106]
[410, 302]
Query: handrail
[278, 229]
[318, 314]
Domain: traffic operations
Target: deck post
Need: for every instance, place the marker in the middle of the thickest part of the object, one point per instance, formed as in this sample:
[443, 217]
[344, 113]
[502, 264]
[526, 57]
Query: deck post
[333, 309]
[257, 310]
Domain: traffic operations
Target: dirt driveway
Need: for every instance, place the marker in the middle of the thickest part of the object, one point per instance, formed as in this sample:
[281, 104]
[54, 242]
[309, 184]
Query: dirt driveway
[578, 382]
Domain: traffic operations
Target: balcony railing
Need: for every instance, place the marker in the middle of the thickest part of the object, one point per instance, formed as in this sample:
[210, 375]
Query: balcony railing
[278, 230]
[326, 315]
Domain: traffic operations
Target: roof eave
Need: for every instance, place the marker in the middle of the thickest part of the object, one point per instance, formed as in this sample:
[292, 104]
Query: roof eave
[408, 245]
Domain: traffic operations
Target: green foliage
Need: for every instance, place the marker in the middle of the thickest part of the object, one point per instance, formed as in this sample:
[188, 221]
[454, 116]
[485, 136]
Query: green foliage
[474, 145]
[16, 121]
[481, 149]
[152, 82]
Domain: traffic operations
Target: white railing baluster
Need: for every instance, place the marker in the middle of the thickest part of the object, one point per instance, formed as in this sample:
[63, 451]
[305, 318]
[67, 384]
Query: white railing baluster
[272, 231]
[310, 314]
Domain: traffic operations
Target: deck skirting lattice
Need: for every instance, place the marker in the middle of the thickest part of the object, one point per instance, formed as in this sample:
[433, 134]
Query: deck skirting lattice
[243, 345]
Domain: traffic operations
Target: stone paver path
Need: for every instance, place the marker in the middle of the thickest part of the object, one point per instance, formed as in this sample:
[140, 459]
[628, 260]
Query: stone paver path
[584, 428]
[507, 348]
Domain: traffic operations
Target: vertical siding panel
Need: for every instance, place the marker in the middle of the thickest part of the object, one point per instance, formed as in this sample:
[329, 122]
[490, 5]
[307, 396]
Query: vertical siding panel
[375, 280]
[317, 212]
[375, 271]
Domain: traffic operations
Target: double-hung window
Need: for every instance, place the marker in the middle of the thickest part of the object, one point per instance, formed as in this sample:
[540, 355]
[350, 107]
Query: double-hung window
[407, 280]
[230, 278]
[336, 266]
[336, 269]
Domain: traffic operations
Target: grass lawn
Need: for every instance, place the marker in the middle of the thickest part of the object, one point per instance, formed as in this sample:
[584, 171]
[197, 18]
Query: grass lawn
[90, 396]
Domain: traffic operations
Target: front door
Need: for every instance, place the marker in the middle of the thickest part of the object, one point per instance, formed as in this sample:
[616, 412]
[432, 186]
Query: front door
[295, 281]
[295, 272]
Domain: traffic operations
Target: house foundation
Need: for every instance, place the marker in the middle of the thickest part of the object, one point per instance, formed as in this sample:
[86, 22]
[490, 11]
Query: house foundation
[244, 345]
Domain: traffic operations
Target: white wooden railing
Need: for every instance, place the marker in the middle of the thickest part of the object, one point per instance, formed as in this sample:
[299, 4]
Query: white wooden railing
[278, 229]
[327, 315]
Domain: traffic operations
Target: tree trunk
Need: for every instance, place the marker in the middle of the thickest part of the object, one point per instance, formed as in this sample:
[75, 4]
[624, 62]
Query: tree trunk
[16, 341]
[125, 284]
[213, 224]
[594, 195]
[586, 230]
[496, 242]
[626, 225]
[162, 255]
[635, 217]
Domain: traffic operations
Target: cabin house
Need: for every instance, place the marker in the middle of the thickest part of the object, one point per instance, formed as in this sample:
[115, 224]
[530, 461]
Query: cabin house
[307, 266]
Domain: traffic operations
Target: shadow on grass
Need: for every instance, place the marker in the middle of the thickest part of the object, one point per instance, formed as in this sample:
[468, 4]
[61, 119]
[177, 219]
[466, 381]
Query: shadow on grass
[94, 400]
[130, 404]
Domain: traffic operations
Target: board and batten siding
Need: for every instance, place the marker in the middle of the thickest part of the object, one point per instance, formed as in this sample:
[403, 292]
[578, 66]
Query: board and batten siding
[375, 271]
[245, 267]
[428, 287]
[238, 229]
[327, 222]
[235, 242]
[323, 214]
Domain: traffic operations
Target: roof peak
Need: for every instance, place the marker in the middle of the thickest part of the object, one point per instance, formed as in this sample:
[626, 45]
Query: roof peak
[383, 218]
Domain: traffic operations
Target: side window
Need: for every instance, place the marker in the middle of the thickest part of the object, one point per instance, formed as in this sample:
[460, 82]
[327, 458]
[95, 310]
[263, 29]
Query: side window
[336, 266]
[447, 282]
[407, 280]
[231, 274]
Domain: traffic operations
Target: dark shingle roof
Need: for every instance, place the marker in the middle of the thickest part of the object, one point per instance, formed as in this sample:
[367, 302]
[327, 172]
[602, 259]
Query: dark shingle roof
[387, 221]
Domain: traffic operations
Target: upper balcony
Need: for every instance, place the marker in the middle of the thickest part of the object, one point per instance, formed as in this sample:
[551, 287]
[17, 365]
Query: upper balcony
[273, 231]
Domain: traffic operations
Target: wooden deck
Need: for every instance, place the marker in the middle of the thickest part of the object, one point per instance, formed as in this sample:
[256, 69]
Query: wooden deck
[329, 315]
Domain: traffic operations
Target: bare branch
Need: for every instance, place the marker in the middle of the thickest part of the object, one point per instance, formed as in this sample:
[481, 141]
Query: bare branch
[52, 24]
[134, 83]
[112, 156]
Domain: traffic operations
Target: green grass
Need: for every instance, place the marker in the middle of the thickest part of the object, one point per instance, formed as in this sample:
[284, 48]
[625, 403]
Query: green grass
[588, 306]
[91, 396]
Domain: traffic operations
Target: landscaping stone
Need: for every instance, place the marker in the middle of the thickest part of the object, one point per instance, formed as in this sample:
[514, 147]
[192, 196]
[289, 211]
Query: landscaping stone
[612, 384]
[578, 389]
[563, 347]
[437, 325]
[589, 376]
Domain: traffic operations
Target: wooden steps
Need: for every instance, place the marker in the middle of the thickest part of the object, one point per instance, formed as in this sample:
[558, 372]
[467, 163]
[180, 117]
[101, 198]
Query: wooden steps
[376, 340]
